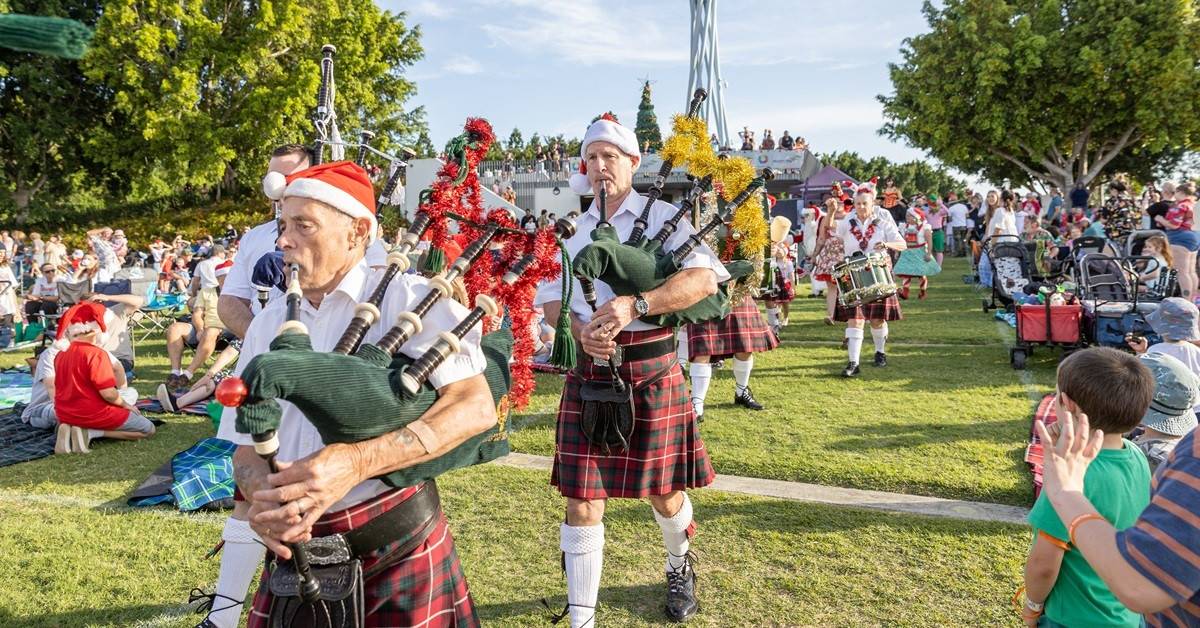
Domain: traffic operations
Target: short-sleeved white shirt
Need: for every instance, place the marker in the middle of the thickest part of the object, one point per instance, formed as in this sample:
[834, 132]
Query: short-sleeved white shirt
[622, 220]
[885, 231]
[299, 438]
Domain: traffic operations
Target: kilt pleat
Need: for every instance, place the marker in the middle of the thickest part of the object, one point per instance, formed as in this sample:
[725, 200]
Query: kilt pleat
[426, 588]
[743, 331]
[887, 310]
[665, 453]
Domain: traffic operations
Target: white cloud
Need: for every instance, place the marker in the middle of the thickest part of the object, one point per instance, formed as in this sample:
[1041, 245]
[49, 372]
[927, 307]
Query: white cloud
[462, 64]
[588, 33]
[430, 9]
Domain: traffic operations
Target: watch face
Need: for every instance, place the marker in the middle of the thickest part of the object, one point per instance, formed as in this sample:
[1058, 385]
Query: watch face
[641, 306]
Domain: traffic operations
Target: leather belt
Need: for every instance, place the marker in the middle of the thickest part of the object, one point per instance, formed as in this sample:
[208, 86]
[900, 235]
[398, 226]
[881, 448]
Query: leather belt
[641, 351]
[417, 516]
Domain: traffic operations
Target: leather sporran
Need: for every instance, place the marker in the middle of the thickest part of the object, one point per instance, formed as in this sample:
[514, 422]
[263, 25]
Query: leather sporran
[340, 604]
[607, 416]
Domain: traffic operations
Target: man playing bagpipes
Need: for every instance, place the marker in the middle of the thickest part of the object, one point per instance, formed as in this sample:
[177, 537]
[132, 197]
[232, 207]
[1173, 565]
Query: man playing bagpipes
[411, 573]
[664, 454]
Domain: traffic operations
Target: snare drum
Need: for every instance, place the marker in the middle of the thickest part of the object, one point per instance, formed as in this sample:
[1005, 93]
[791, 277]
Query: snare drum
[864, 279]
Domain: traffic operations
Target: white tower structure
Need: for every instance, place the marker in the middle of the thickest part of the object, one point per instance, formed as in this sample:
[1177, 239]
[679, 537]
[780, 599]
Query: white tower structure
[706, 67]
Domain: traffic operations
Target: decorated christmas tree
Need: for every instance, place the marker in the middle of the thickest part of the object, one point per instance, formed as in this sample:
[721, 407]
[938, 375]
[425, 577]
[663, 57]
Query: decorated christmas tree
[647, 123]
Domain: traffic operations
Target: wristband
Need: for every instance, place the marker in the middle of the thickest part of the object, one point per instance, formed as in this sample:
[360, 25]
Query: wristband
[1077, 521]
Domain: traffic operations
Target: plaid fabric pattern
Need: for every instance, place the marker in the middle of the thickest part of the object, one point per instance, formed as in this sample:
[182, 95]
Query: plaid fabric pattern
[665, 453]
[743, 331]
[203, 474]
[200, 408]
[425, 589]
[1033, 453]
[20, 441]
[885, 310]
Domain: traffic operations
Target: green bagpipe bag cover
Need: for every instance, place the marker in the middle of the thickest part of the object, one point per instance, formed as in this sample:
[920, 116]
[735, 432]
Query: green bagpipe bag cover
[355, 398]
[637, 269]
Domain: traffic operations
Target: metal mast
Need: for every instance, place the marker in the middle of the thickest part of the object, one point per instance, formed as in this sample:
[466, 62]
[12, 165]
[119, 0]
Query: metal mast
[706, 67]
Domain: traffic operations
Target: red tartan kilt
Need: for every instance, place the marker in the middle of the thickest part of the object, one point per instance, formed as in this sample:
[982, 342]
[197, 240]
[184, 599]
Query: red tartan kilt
[743, 331]
[427, 588]
[666, 452]
[885, 310]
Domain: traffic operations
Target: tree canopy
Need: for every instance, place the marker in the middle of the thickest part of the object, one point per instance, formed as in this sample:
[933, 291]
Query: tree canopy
[912, 177]
[1050, 91]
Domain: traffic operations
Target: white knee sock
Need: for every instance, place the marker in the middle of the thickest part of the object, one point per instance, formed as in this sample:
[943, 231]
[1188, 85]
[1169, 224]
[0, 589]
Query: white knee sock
[772, 316]
[854, 339]
[583, 553]
[241, 560]
[674, 530]
[880, 337]
[741, 373]
[701, 377]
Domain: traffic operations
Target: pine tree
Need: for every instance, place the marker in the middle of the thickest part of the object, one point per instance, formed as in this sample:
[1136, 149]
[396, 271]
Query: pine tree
[647, 123]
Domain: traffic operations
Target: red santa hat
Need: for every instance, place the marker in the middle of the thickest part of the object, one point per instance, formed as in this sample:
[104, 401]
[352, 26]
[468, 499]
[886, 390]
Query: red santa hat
[343, 185]
[868, 186]
[81, 318]
[223, 268]
[606, 128]
[913, 211]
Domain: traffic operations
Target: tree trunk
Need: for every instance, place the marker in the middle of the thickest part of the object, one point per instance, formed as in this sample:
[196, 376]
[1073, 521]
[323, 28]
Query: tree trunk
[21, 198]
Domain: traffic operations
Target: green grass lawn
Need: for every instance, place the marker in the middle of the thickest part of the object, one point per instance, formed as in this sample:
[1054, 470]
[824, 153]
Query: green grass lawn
[948, 421]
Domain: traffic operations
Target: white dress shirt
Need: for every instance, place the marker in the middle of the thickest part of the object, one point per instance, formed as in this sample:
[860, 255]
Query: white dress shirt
[260, 241]
[885, 231]
[622, 219]
[299, 438]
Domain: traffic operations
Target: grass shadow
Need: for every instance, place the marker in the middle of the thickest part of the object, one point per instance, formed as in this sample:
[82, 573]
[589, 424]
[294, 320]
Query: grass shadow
[110, 616]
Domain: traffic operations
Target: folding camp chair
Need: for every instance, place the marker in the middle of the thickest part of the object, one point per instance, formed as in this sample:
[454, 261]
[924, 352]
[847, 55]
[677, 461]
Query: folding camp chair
[157, 314]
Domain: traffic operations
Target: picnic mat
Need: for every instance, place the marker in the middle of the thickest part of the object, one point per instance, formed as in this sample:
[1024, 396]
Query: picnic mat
[1007, 317]
[20, 441]
[201, 476]
[1034, 452]
[16, 386]
[152, 405]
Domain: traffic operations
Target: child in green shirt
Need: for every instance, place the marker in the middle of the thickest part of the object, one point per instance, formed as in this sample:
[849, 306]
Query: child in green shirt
[1114, 390]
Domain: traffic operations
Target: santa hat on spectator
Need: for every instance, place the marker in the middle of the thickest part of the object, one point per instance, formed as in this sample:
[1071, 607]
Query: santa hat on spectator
[605, 128]
[223, 268]
[343, 185]
[81, 318]
[913, 211]
[868, 186]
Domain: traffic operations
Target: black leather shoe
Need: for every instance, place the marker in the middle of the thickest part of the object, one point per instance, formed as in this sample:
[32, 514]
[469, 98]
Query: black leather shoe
[880, 358]
[681, 591]
[746, 399]
[851, 370]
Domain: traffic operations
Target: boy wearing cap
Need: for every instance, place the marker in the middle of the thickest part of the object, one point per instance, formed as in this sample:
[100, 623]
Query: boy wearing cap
[1171, 415]
[1113, 389]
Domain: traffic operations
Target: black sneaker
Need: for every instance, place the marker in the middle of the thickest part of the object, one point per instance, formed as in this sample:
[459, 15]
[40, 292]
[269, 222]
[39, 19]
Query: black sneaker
[745, 399]
[851, 370]
[880, 358]
[681, 591]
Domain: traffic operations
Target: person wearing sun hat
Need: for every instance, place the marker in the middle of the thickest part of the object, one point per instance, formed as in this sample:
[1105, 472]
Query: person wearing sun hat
[326, 224]
[1177, 321]
[1172, 413]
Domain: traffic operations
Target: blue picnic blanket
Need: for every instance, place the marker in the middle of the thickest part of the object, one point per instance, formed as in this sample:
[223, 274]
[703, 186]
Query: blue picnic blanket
[20, 441]
[1007, 317]
[16, 386]
[200, 476]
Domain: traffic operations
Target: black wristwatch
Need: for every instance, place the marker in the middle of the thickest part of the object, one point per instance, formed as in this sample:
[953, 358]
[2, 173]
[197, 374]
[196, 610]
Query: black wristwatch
[640, 306]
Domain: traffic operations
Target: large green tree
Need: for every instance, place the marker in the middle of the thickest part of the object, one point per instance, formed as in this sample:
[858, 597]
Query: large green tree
[47, 110]
[647, 123]
[1051, 91]
[202, 89]
[911, 177]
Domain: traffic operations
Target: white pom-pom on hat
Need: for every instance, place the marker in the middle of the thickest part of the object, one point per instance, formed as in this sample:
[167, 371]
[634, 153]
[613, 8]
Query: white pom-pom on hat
[579, 182]
[273, 185]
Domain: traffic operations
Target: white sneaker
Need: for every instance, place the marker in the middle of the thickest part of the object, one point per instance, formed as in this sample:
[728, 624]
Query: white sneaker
[62, 443]
[80, 440]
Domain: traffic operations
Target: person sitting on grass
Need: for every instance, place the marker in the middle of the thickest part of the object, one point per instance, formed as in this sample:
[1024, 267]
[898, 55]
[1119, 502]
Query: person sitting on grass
[1171, 415]
[40, 411]
[205, 333]
[90, 396]
[204, 387]
[1061, 588]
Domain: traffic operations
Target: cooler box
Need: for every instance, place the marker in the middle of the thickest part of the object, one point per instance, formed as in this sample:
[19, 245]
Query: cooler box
[1064, 323]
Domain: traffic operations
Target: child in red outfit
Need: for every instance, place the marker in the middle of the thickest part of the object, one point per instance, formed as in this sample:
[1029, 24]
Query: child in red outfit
[86, 397]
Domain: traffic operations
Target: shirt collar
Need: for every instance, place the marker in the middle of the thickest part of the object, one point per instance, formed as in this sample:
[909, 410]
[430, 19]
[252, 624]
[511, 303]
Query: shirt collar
[633, 203]
[351, 285]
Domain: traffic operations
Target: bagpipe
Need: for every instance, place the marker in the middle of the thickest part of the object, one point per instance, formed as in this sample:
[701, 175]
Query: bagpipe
[362, 390]
[639, 264]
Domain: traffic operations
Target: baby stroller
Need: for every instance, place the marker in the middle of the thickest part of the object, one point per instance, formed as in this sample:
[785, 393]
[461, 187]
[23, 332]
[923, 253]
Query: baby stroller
[1011, 269]
[1043, 324]
[1136, 240]
[1112, 306]
[1088, 245]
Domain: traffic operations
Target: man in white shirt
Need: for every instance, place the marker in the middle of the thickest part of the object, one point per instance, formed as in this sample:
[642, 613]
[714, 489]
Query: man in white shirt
[326, 225]
[867, 230]
[958, 225]
[665, 454]
[43, 298]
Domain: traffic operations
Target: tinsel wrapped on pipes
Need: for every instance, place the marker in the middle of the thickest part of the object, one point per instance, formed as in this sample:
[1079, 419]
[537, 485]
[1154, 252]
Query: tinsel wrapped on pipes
[458, 191]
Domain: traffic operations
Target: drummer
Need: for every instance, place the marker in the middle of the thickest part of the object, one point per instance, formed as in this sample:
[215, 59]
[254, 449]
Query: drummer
[868, 229]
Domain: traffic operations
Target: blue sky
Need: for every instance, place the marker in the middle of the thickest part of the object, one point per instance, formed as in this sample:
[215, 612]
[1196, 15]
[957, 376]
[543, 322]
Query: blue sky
[813, 68]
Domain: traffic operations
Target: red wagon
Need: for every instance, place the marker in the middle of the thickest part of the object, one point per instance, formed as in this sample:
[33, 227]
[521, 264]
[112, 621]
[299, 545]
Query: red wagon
[1046, 325]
